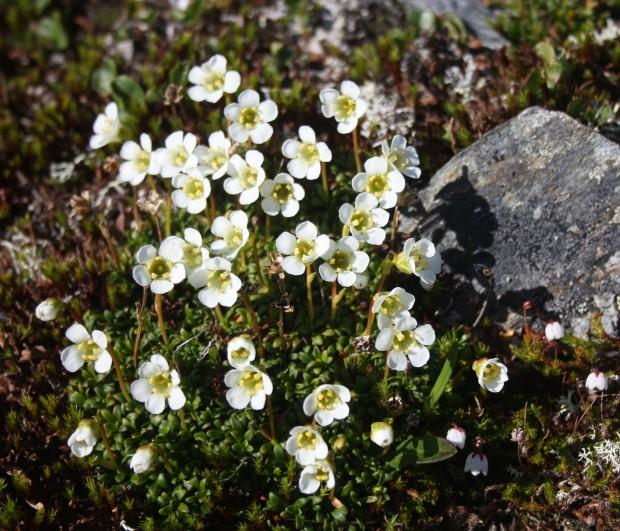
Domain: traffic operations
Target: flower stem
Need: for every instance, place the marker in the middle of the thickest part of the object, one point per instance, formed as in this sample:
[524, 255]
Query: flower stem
[387, 267]
[386, 371]
[136, 210]
[220, 317]
[259, 269]
[394, 227]
[267, 226]
[356, 151]
[213, 206]
[182, 417]
[272, 421]
[254, 323]
[106, 442]
[335, 299]
[119, 374]
[160, 318]
[324, 178]
[139, 316]
[309, 279]
[168, 215]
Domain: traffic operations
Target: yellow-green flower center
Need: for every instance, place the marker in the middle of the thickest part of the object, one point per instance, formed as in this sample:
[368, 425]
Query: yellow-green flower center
[304, 250]
[282, 192]
[234, 237]
[192, 255]
[216, 158]
[402, 263]
[194, 188]
[340, 261]
[309, 153]
[159, 268]
[218, 279]
[249, 117]
[240, 354]
[377, 184]
[346, 106]
[161, 383]
[307, 439]
[89, 350]
[491, 372]
[179, 157]
[251, 381]
[403, 341]
[248, 177]
[361, 220]
[398, 160]
[213, 81]
[390, 306]
[327, 399]
[321, 473]
[143, 161]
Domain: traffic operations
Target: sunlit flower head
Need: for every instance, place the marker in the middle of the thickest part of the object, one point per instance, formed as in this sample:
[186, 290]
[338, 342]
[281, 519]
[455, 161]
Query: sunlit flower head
[249, 118]
[378, 180]
[232, 231]
[106, 127]
[156, 385]
[84, 438]
[193, 255]
[554, 331]
[178, 155]
[241, 352]
[597, 381]
[86, 347]
[402, 158]
[306, 154]
[139, 161]
[491, 374]
[382, 433]
[246, 176]
[345, 105]
[49, 309]
[392, 305]
[344, 263]
[405, 340]
[160, 269]
[420, 258]
[457, 436]
[302, 249]
[327, 402]
[476, 464]
[211, 79]
[213, 159]
[142, 460]
[281, 195]
[192, 190]
[219, 284]
[306, 444]
[365, 220]
[247, 386]
[314, 475]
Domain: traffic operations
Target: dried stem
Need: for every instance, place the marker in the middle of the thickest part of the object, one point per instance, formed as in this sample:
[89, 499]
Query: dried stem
[324, 179]
[356, 151]
[139, 316]
[119, 374]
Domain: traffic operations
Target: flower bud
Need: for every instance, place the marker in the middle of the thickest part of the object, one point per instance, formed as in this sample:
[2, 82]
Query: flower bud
[477, 463]
[48, 310]
[142, 460]
[456, 435]
[84, 438]
[381, 433]
[597, 381]
[554, 331]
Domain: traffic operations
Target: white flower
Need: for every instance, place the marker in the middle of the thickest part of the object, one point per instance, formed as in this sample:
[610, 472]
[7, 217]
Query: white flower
[391, 306]
[249, 118]
[345, 105]
[379, 181]
[344, 263]
[306, 154]
[241, 352]
[477, 463]
[211, 80]
[281, 195]
[327, 402]
[365, 220]
[597, 381]
[160, 269]
[86, 347]
[554, 331]
[247, 386]
[382, 433]
[421, 259]
[403, 340]
[178, 155]
[48, 310]
[303, 248]
[233, 231]
[306, 444]
[402, 158]
[246, 176]
[192, 190]
[213, 160]
[143, 459]
[106, 127]
[181, 5]
[156, 385]
[314, 474]
[139, 161]
[219, 285]
[83, 439]
[491, 374]
[193, 254]
[456, 435]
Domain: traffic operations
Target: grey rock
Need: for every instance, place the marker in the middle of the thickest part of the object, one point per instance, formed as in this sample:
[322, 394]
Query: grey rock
[529, 211]
[475, 16]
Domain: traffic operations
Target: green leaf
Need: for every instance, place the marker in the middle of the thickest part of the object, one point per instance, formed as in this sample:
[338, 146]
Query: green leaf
[130, 94]
[178, 75]
[51, 30]
[422, 450]
[552, 67]
[444, 377]
[104, 76]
